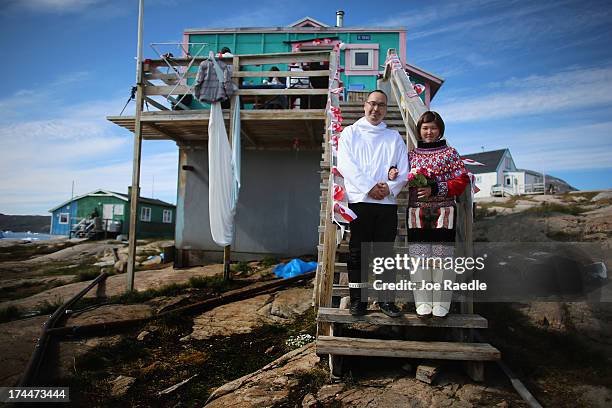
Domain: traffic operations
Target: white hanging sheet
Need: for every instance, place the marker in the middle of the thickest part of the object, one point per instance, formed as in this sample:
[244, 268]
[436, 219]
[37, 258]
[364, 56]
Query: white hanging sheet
[224, 177]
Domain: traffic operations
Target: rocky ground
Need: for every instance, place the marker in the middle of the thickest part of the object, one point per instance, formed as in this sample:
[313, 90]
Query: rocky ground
[258, 352]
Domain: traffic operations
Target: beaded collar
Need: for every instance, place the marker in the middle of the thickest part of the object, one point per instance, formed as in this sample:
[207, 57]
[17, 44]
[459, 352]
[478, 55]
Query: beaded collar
[424, 147]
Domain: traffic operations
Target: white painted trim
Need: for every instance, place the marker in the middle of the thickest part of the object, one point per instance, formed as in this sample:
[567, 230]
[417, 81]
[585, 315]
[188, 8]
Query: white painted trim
[143, 218]
[352, 67]
[60, 218]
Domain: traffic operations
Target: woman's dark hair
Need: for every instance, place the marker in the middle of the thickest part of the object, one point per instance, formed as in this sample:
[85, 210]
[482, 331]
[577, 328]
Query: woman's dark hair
[428, 117]
[225, 49]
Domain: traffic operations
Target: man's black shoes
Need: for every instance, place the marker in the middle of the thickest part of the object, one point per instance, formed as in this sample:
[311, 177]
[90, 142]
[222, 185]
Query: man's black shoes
[390, 309]
[358, 308]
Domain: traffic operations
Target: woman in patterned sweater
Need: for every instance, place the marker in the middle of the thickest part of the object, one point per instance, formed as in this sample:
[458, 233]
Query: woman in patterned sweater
[431, 213]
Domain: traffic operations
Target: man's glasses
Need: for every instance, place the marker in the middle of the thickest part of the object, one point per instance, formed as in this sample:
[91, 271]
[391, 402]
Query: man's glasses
[375, 104]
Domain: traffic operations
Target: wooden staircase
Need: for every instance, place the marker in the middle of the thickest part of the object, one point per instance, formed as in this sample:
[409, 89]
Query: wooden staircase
[332, 276]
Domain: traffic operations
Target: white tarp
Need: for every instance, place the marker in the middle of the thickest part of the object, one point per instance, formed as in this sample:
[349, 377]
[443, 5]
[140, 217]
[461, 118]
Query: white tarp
[224, 175]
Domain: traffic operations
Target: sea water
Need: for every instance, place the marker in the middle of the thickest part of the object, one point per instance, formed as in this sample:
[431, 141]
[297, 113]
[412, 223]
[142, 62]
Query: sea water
[25, 236]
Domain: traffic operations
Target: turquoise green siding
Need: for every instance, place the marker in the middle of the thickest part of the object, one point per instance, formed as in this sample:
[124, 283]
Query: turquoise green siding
[85, 206]
[264, 43]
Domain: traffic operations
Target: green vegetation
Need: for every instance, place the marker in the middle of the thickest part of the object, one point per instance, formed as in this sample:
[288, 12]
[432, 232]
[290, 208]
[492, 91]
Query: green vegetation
[269, 261]
[549, 208]
[9, 313]
[161, 361]
[23, 251]
[536, 352]
[307, 382]
[242, 267]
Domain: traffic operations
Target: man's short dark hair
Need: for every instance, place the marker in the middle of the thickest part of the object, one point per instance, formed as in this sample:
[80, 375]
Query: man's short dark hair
[379, 91]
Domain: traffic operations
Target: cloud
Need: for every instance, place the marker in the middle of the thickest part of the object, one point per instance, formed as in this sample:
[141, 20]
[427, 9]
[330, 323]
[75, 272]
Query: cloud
[534, 95]
[567, 148]
[43, 150]
[34, 188]
[55, 6]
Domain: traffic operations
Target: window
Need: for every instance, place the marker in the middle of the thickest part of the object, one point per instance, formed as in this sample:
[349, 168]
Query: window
[64, 218]
[118, 209]
[167, 217]
[145, 214]
[362, 59]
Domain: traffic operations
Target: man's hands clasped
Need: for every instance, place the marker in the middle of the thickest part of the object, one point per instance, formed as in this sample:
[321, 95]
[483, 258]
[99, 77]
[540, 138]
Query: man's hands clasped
[379, 191]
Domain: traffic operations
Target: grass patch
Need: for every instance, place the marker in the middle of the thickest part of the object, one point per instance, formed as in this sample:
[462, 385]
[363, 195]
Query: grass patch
[161, 361]
[537, 353]
[568, 197]
[87, 273]
[21, 252]
[308, 382]
[242, 267]
[269, 261]
[47, 307]
[564, 236]
[216, 283]
[9, 313]
[549, 208]
[510, 202]
[483, 212]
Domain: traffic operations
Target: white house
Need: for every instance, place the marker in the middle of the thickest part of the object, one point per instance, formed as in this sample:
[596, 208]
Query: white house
[498, 176]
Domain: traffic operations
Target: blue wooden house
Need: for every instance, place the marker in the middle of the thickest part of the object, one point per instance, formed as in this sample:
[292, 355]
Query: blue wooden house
[156, 218]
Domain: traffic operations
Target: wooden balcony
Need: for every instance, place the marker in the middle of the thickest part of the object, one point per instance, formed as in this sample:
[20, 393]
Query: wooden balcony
[260, 128]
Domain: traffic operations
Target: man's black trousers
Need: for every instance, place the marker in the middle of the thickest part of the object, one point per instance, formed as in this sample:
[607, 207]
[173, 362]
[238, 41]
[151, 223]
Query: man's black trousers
[375, 223]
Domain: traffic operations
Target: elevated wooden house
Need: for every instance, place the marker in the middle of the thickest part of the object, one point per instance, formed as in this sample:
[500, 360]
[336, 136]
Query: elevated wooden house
[286, 203]
[281, 148]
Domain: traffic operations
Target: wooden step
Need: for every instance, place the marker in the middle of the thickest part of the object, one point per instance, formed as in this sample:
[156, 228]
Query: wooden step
[463, 321]
[437, 350]
[340, 290]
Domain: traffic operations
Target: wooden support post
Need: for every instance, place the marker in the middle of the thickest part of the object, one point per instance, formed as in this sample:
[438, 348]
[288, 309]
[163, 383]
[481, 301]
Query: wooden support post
[233, 106]
[428, 371]
[135, 193]
[226, 262]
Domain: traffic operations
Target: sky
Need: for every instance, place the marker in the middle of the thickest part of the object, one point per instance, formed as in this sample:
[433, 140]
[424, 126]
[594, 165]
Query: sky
[531, 76]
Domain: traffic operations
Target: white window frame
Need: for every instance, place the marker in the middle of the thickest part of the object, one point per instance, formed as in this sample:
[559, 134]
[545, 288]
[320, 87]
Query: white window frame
[118, 209]
[371, 66]
[67, 215]
[145, 214]
[167, 217]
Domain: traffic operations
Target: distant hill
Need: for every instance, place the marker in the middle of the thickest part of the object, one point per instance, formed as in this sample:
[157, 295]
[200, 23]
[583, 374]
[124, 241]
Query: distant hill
[18, 223]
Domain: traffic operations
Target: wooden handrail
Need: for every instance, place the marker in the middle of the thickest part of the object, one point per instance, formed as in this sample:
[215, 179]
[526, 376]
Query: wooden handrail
[410, 104]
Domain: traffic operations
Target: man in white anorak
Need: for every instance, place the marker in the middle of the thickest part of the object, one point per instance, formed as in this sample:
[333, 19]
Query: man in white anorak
[366, 151]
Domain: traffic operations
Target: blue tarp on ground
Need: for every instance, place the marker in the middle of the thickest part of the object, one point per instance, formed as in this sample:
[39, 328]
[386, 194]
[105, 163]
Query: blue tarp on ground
[293, 268]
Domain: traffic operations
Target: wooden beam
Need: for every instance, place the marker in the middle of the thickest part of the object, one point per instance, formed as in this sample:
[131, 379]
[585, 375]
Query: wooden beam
[282, 91]
[248, 59]
[280, 59]
[180, 104]
[166, 90]
[427, 372]
[245, 115]
[169, 135]
[436, 350]
[335, 315]
[156, 104]
[245, 74]
[247, 137]
[135, 192]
